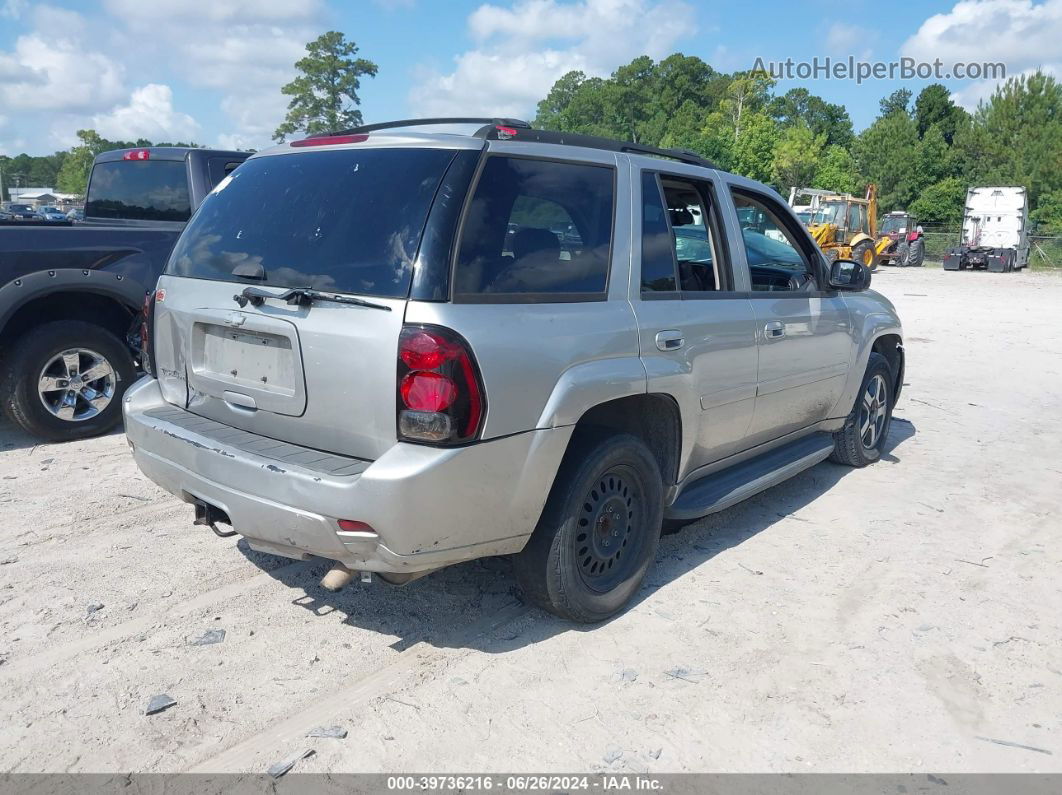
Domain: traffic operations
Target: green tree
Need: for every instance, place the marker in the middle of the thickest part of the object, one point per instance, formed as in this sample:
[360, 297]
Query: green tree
[754, 151]
[886, 153]
[74, 173]
[747, 93]
[837, 171]
[896, 102]
[325, 96]
[691, 127]
[798, 105]
[934, 106]
[552, 110]
[1048, 214]
[796, 157]
[940, 203]
[934, 158]
[1016, 137]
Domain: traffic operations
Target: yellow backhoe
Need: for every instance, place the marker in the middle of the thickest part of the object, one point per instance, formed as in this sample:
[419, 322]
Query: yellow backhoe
[845, 226]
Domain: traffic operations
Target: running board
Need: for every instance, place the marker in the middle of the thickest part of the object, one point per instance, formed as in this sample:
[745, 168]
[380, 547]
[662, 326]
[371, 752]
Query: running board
[730, 486]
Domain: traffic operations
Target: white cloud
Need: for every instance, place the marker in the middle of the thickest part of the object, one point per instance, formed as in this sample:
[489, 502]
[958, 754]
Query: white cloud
[1021, 34]
[149, 114]
[844, 39]
[521, 51]
[244, 49]
[977, 91]
[12, 9]
[54, 68]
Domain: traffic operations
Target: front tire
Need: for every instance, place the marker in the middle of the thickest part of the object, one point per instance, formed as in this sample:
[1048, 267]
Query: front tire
[599, 530]
[903, 254]
[863, 252]
[863, 436]
[65, 380]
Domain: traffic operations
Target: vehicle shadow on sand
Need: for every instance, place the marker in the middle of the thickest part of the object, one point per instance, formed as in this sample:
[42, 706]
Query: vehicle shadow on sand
[14, 438]
[471, 605]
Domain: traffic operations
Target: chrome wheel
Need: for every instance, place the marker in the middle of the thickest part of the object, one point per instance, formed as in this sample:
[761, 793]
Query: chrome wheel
[873, 412]
[77, 384]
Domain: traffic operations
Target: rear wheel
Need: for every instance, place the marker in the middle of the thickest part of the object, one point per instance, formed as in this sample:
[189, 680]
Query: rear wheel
[862, 438]
[65, 380]
[918, 253]
[863, 252]
[599, 531]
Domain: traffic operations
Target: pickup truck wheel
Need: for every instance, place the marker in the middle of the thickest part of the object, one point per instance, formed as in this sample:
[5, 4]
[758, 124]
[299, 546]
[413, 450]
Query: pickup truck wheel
[862, 438]
[599, 531]
[65, 380]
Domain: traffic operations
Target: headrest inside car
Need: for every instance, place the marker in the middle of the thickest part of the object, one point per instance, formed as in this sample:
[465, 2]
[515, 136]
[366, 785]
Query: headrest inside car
[533, 240]
[681, 217]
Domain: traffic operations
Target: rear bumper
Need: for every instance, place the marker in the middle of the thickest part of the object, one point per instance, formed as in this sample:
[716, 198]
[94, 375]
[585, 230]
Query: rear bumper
[430, 507]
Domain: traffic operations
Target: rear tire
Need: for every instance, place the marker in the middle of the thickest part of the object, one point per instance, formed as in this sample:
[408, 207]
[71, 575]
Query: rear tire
[599, 530]
[61, 409]
[917, 253]
[865, 430]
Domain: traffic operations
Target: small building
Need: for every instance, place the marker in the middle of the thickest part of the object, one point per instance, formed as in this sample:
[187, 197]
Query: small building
[44, 197]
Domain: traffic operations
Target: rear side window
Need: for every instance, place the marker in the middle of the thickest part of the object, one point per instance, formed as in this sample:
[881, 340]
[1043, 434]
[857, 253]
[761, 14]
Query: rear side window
[348, 221]
[658, 251]
[143, 190]
[536, 228]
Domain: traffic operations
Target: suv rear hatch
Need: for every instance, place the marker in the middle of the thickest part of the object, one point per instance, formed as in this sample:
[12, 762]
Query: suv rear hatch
[283, 301]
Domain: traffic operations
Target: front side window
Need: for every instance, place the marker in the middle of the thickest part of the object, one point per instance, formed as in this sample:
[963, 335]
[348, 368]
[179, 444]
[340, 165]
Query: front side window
[142, 190]
[771, 248]
[536, 227]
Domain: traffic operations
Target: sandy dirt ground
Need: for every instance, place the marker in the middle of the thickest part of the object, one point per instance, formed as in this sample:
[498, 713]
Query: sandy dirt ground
[904, 617]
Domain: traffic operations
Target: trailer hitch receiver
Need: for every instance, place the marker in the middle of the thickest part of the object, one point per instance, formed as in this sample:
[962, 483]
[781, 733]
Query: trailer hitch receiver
[207, 515]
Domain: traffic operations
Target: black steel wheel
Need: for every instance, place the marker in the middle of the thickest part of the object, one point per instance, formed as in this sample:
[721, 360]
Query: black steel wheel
[599, 531]
[607, 538]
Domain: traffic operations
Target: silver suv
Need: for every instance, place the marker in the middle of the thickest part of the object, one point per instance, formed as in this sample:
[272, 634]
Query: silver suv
[399, 349]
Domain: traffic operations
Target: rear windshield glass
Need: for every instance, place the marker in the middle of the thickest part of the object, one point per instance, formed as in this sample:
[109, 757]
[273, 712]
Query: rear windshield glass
[347, 221]
[147, 190]
[536, 227]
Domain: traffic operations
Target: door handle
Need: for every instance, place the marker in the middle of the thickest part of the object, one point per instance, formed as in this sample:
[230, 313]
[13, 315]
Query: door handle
[670, 340]
[774, 330]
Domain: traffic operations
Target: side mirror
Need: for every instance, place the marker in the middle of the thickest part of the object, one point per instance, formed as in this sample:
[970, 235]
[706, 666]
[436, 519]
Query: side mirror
[848, 275]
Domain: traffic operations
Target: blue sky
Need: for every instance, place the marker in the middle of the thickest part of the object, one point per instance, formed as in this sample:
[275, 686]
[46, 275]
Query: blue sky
[211, 70]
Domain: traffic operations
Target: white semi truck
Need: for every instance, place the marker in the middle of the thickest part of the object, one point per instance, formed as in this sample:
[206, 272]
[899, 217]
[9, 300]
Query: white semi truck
[995, 231]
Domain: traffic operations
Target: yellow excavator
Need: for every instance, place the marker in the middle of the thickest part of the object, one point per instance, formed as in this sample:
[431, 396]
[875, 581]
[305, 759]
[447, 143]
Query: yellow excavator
[845, 226]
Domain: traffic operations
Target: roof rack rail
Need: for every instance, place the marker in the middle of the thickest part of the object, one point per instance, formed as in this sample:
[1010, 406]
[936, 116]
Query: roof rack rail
[596, 142]
[389, 125]
[504, 129]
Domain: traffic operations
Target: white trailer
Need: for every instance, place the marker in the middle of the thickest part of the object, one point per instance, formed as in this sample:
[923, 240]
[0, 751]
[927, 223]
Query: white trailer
[995, 231]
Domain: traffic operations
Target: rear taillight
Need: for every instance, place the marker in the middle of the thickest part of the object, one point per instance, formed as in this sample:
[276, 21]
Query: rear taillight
[147, 320]
[137, 154]
[440, 393]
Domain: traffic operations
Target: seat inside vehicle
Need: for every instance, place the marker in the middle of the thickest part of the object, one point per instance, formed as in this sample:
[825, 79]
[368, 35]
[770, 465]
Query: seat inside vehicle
[694, 249]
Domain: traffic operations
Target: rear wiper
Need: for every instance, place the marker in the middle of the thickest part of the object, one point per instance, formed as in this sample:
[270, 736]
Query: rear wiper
[300, 296]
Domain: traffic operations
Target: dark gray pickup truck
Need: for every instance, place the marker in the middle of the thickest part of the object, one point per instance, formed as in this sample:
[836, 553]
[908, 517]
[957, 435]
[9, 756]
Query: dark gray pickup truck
[69, 294]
